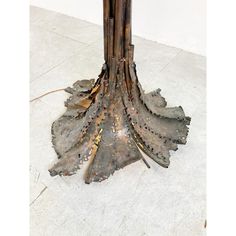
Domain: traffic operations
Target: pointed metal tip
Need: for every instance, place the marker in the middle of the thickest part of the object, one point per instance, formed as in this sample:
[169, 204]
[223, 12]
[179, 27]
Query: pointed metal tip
[53, 172]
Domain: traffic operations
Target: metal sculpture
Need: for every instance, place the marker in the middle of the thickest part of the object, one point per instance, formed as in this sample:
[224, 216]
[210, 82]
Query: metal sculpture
[108, 121]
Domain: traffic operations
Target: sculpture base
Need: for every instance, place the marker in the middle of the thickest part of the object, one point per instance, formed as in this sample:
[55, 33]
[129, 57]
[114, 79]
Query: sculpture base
[107, 121]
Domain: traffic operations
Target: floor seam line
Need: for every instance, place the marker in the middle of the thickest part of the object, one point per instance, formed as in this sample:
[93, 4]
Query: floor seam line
[61, 35]
[66, 59]
[165, 66]
[42, 191]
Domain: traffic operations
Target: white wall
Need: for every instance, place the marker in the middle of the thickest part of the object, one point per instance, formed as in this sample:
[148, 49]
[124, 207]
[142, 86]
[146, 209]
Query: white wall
[178, 23]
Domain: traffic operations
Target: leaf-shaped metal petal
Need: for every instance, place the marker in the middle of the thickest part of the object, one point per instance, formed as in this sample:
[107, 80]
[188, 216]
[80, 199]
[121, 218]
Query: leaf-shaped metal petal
[116, 148]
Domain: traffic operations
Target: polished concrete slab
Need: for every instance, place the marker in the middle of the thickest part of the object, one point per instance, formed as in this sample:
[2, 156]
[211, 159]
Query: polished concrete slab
[136, 200]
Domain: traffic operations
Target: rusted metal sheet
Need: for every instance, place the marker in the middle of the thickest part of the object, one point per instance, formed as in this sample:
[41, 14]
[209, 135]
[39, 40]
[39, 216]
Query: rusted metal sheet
[109, 120]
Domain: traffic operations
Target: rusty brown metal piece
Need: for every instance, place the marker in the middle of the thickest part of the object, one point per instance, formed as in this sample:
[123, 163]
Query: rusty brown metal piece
[108, 120]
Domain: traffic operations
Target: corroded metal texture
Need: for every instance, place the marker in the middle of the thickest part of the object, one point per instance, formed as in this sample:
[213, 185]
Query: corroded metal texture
[109, 120]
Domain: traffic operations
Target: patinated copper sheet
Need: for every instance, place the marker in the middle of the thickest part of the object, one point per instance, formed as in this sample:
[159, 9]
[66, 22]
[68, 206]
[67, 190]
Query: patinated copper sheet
[106, 125]
[109, 120]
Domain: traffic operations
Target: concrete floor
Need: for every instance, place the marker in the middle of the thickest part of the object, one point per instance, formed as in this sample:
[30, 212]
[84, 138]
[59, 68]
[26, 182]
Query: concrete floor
[134, 201]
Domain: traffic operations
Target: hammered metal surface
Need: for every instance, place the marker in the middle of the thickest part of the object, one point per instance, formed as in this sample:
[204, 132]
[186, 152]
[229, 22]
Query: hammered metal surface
[108, 120]
[114, 125]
